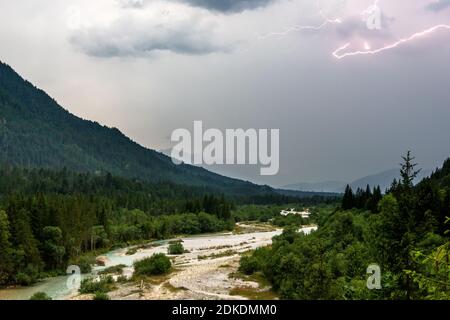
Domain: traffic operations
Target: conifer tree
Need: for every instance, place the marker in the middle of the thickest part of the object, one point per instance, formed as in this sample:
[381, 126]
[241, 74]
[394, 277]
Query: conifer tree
[5, 249]
[398, 228]
[376, 198]
[348, 200]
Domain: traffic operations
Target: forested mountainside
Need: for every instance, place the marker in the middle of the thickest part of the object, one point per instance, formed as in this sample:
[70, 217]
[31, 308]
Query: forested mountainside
[36, 132]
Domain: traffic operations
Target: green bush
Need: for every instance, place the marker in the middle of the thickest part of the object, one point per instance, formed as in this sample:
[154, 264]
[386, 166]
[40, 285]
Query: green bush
[176, 248]
[85, 263]
[255, 262]
[248, 265]
[100, 296]
[131, 251]
[122, 279]
[27, 276]
[105, 284]
[40, 296]
[157, 264]
[118, 269]
[23, 279]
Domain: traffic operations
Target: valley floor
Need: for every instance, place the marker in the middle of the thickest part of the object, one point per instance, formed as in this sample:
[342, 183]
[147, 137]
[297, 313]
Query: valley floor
[205, 271]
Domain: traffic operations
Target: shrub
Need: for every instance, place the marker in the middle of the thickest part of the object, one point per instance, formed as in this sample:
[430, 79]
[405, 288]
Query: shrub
[248, 265]
[105, 284]
[255, 262]
[85, 263]
[23, 279]
[40, 296]
[118, 269]
[131, 251]
[122, 279]
[101, 296]
[28, 276]
[155, 265]
[176, 248]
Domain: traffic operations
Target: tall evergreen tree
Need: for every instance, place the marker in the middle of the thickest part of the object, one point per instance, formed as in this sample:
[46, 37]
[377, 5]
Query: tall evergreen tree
[376, 198]
[348, 201]
[22, 238]
[53, 250]
[5, 249]
[398, 229]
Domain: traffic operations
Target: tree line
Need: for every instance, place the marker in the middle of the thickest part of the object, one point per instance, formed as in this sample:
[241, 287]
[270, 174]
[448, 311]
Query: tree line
[407, 237]
[50, 219]
[362, 199]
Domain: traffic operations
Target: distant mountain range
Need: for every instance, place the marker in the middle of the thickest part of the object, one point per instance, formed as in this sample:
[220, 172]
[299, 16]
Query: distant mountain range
[325, 186]
[382, 179]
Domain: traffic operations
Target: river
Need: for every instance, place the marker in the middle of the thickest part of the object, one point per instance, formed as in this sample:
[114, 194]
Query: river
[197, 246]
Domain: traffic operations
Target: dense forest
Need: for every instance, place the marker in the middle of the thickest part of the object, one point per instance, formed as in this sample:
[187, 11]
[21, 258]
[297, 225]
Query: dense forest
[406, 236]
[50, 219]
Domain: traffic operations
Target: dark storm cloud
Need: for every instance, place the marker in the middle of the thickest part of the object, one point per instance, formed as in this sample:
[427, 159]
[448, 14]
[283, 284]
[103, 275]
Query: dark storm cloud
[438, 5]
[138, 35]
[228, 6]
[102, 43]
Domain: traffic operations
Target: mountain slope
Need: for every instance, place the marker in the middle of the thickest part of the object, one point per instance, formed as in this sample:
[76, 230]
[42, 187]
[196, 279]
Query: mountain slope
[37, 132]
[382, 179]
[326, 186]
[440, 176]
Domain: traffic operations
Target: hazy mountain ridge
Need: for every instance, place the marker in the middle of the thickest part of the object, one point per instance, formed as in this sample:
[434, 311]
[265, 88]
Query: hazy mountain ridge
[382, 179]
[325, 186]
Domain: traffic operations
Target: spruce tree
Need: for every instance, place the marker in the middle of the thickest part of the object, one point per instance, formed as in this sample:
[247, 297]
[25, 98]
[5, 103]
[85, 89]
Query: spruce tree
[398, 228]
[367, 198]
[376, 198]
[5, 249]
[348, 200]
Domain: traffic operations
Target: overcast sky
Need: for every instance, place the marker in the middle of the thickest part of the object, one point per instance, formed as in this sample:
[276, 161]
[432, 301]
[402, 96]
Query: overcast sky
[148, 67]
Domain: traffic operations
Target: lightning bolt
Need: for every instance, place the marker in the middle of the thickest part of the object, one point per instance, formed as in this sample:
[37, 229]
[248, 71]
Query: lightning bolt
[294, 28]
[339, 55]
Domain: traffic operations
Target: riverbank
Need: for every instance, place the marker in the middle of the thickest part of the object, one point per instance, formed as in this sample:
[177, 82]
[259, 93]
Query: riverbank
[204, 271]
[207, 270]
